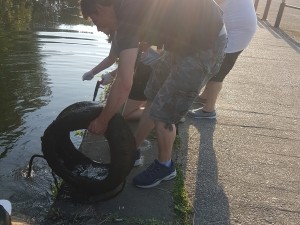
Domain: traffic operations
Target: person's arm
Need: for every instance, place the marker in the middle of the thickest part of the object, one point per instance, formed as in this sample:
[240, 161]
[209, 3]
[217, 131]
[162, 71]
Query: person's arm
[107, 62]
[104, 64]
[119, 91]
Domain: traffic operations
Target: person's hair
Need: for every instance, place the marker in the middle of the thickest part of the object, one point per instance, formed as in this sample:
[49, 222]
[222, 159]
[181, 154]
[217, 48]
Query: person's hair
[88, 7]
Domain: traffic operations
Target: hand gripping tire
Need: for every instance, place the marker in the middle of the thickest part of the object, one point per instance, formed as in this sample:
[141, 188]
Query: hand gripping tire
[65, 159]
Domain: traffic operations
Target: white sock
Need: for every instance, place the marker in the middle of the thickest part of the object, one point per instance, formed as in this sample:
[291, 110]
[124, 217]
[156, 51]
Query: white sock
[166, 163]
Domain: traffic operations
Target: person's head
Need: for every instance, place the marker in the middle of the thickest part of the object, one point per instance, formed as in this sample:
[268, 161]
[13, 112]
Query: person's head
[102, 13]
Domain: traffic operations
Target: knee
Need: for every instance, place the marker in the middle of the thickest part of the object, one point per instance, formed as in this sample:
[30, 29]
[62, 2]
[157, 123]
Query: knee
[163, 126]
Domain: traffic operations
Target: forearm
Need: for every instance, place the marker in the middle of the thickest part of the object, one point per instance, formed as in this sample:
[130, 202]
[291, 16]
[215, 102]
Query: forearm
[117, 97]
[107, 62]
[121, 87]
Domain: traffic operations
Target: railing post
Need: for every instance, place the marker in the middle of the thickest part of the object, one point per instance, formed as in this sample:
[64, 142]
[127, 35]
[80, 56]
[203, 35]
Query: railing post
[280, 13]
[256, 4]
[267, 9]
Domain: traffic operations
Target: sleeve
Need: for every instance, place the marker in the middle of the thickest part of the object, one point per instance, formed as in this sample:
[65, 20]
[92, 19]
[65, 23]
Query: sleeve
[127, 37]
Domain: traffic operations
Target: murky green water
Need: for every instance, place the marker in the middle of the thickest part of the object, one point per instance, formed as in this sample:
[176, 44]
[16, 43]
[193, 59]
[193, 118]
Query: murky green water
[45, 47]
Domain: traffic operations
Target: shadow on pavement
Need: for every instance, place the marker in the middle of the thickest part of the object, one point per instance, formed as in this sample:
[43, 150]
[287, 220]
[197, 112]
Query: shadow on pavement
[200, 166]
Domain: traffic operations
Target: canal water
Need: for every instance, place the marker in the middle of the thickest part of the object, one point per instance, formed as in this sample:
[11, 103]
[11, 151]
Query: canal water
[45, 48]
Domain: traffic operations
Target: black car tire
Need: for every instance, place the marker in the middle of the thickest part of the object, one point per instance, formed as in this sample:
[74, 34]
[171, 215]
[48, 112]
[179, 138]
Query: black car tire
[63, 157]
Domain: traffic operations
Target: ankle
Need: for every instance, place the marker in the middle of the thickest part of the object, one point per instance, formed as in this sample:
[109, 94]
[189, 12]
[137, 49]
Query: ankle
[165, 163]
[208, 110]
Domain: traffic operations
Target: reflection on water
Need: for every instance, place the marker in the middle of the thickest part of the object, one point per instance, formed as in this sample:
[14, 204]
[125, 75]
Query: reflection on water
[45, 47]
[23, 84]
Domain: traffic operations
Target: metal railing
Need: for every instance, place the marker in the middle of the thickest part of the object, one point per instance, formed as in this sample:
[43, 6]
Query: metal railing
[267, 8]
[280, 11]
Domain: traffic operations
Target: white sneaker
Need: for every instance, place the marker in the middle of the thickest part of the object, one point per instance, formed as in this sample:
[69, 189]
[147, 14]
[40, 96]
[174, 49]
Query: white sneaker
[200, 114]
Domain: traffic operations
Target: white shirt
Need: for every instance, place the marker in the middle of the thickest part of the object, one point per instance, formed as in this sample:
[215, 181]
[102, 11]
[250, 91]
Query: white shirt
[241, 22]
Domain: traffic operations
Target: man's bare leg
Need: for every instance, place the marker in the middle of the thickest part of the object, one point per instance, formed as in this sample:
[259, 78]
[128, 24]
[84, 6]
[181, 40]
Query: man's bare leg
[145, 126]
[165, 139]
[163, 169]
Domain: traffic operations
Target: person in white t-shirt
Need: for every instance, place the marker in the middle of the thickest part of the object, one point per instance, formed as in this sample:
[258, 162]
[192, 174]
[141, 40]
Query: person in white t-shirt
[241, 22]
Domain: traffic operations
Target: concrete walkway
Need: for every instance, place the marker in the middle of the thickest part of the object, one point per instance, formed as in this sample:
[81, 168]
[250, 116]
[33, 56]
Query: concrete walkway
[242, 168]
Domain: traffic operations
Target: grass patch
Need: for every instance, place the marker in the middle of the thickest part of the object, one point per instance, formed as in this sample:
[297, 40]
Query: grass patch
[181, 204]
[79, 133]
[55, 188]
[104, 94]
[177, 143]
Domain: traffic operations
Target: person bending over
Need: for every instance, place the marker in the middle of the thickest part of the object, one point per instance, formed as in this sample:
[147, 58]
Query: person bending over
[194, 39]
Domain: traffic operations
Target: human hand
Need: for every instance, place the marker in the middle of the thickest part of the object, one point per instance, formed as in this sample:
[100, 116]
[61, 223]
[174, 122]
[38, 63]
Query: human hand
[88, 75]
[98, 126]
[107, 78]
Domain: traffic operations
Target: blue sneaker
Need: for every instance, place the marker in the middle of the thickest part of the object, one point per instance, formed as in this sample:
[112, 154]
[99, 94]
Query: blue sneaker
[200, 114]
[154, 174]
[138, 158]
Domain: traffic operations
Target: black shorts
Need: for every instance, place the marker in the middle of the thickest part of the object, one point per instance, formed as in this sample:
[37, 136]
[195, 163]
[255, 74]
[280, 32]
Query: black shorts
[140, 79]
[226, 66]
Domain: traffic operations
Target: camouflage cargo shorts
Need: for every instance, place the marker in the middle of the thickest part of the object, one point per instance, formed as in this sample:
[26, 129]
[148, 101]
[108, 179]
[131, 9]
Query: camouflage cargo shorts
[177, 80]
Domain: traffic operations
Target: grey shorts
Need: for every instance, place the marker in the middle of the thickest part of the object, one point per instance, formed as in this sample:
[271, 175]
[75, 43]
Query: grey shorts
[176, 81]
